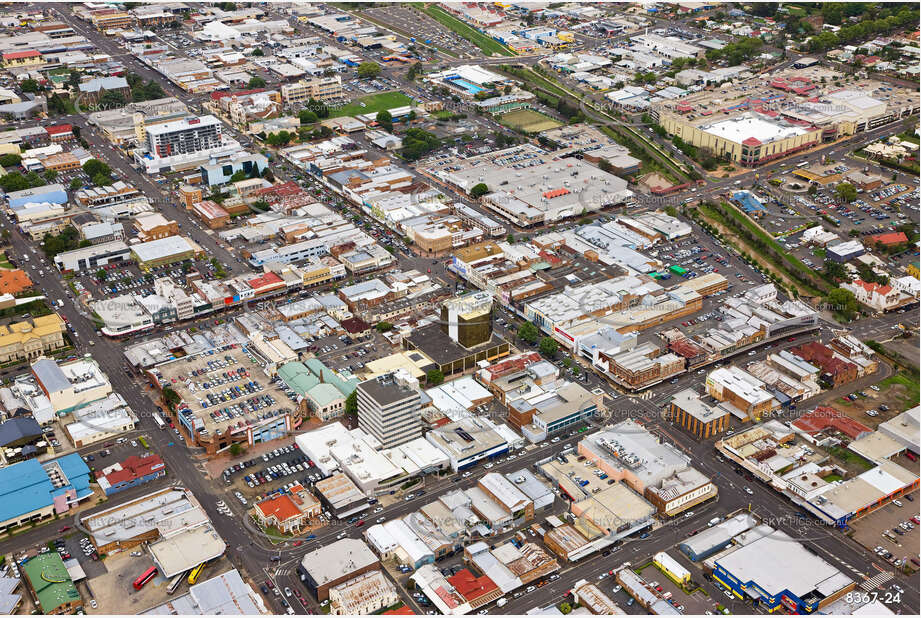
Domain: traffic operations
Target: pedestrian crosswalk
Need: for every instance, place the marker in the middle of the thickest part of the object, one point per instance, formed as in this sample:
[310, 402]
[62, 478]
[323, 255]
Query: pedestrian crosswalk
[876, 581]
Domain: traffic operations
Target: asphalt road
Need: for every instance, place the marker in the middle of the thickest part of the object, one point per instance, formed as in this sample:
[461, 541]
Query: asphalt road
[253, 554]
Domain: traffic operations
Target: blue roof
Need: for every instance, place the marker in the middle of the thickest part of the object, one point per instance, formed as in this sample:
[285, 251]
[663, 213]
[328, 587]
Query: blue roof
[747, 201]
[25, 486]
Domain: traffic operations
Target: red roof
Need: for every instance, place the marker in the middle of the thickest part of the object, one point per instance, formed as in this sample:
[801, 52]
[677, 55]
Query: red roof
[751, 141]
[555, 193]
[220, 94]
[892, 238]
[471, 587]
[59, 129]
[354, 325]
[873, 287]
[512, 364]
[824, 417]
[400, 611]
[266, 280]
[23, 54]
[133, 468]
[282, 507]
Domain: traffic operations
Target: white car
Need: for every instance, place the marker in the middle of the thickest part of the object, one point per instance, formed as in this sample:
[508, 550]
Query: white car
[93, 603]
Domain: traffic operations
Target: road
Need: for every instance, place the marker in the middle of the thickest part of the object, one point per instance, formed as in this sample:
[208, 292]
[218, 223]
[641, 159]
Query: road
[250, 552]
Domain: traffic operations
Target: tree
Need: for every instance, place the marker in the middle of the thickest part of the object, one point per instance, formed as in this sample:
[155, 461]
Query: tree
[385, 119]
[238, 176]
[846, 191]
[567, 362]
[417, 143]
[258, 52]
[236, 449]
[565, 608]
[50, 175]
[307, 116]
[383, 327]
[510, 238]
[434, 377]
[102, 274]
[75, 184]
[842, 302]
[479, 190]
[256, 82]
[171, 397]
[95, 166]
[112, 99]
[29, 85]
[528, 333]
[102, 180]
[548, 347]
[351, 403]
[10, 159]
[835, 272]
[13, 182]
[367, 70]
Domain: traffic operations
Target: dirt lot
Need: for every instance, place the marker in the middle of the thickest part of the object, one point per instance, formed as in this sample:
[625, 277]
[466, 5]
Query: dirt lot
[695, 604]
[892, 394]
[868, 530]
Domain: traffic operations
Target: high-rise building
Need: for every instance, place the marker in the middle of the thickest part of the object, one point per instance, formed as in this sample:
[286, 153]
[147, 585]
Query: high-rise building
[389, 408]
[187, 136]
[468, 319]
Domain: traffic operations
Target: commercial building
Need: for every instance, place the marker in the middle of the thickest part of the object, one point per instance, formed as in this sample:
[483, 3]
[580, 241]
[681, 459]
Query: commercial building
[89, 259]
[182, 144]
[749, 139]
[389, 408]
[100, 420]
[692, 414]
[904, 428]
[468, 441]
[165, 251]
[133, 471]
[172, 524]
[319, 88]
[660, 472]
[48, 581]
[224, 595]
[20, 341]
[468, 319]
[775, 571]
[33, 491]
[335, 564]
[589, 596]
[321, 391]
[288, 512]
[362, 595]
[742, 393]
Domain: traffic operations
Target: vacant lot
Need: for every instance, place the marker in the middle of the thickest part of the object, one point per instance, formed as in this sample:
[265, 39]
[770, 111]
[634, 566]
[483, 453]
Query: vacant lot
[897, 392]
[528, 121]
[371, 104]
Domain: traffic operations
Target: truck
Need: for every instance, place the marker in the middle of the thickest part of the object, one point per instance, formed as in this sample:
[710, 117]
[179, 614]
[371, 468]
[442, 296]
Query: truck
[714, 521]
[501, 602]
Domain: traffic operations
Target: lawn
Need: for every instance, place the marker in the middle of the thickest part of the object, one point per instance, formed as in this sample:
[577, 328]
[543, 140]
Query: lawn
[528, 121]
[372, 104]
[911, 384]
[4, 263]
[486, 44]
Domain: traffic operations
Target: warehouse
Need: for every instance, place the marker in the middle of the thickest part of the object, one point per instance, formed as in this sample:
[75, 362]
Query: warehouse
[774, 571]
[165, 251]
[845, 251]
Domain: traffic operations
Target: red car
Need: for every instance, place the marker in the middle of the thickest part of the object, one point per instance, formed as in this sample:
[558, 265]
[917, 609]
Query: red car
[297, 543]
[360, 523]
[63, 528]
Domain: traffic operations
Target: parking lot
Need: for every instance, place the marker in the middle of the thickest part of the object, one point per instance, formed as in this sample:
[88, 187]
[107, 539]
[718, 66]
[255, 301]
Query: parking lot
[226, 389]
[350, 356]
[890, 532]
[695, 604]
[414, 23]
[121, 278]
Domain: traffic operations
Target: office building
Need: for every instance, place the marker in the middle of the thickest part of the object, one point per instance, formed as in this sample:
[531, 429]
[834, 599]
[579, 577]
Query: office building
[389, 408]
[468, 319]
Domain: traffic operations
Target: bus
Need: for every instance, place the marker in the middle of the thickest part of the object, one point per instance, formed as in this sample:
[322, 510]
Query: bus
[145, 577]
[159, 420]
[143, 442]
[195, 573]
[174, 583]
